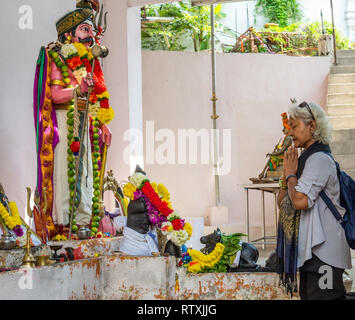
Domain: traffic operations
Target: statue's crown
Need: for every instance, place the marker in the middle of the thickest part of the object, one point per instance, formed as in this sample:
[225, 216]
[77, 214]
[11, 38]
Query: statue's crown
[92, 4]
[84, 11]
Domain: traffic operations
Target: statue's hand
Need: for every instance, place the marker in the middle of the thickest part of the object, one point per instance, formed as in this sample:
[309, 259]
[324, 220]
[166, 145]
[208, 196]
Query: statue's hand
[106, 135]
[86, 83]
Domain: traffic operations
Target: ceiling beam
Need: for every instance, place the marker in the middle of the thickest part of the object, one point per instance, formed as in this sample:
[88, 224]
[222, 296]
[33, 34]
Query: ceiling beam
[142, 3]
[209, 2]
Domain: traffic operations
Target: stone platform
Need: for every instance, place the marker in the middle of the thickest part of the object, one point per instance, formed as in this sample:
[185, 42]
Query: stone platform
[119, 277]
[229, 286]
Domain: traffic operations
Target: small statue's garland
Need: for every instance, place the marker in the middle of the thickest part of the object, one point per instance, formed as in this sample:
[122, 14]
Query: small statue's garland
[231, 245]
[79, 59]
[197, 262]
[13, 220]
[160, 212]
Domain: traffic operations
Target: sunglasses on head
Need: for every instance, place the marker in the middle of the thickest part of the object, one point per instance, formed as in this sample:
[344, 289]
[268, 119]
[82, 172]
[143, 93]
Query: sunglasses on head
[306, 105]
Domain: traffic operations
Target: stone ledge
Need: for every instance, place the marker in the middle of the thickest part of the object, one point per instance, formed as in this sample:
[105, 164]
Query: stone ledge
[120, 277]
[230, 286]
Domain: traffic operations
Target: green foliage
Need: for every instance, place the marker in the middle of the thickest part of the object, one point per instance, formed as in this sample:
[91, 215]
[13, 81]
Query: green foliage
[191, 25]
[282, 12]
[314, 30]
[292, 38]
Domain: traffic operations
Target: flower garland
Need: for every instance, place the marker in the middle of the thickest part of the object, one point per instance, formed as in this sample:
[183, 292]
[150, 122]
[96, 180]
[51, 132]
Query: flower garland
[79, 60]
[13, 221]
[59, 237]
[196, 261]
[160, 212]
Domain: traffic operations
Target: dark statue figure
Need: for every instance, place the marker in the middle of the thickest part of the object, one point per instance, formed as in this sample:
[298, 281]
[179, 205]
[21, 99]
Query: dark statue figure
[271, 263]
[248, 257]
[137, 219]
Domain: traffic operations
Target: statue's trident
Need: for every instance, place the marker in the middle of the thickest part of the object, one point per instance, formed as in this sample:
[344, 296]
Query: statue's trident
[97, 51]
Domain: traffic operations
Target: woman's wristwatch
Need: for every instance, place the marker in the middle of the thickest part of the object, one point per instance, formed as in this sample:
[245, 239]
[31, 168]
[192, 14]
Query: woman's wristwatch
[290, 176]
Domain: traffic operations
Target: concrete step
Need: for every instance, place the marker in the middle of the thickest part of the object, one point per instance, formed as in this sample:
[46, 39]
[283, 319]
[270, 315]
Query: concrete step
[346, 162]
[346, 60]
[343, 122]
[346, 147]
[341, 110]
[342, 69]
[342, 78]
[343, 135]
[341, 98]
[345, 53]
[341, 88]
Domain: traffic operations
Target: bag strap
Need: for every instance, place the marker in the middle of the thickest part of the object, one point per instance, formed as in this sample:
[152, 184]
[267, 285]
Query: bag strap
[329, 202]
[332, 208]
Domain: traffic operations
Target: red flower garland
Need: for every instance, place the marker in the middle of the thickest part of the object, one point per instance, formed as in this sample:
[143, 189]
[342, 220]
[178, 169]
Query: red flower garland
[104, 103]
[178, 224]
[74, 63]
[160, 205]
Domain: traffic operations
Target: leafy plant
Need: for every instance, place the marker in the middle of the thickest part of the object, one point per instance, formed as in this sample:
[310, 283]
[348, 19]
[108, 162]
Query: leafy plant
[294, 39]
[314, 30]
[191, 25]
[282, 12]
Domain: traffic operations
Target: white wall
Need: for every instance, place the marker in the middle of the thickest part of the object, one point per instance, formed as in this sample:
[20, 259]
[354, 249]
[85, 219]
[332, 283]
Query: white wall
[20, 49]
[252, 90]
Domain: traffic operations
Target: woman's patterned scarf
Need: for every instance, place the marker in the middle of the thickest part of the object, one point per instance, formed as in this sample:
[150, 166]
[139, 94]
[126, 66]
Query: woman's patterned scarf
[288, 228]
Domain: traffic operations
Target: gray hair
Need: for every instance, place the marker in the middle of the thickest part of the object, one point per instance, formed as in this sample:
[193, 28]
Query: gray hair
[323, 132]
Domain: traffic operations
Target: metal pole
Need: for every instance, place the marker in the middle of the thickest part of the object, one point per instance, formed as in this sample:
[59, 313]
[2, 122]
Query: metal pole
[334, 39]
[321, 17]
[247, 213]
[214, 116]
[236, 23]
[276, 225]
[263, 217]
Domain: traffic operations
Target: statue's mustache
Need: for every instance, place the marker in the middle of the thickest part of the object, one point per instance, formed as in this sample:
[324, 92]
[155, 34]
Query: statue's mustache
[89, 40]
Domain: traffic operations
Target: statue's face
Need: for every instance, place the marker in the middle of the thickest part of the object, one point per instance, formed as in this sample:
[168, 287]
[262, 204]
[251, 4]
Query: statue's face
[84, 34]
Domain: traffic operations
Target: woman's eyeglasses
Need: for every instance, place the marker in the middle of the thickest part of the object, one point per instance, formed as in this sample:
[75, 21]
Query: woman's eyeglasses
[306, 105]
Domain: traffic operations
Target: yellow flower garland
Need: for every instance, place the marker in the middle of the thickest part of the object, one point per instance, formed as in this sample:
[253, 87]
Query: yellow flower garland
[163, 191]
[201, 261]
[128, 190]
[105, 115]
[188, 229]
[12, 220]
[82, 51]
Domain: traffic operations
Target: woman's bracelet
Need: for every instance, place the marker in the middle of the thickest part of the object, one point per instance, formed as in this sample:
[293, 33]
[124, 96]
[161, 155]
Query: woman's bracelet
[282, 184]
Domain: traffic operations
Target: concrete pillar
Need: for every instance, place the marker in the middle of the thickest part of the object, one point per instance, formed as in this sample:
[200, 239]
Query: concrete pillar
[350, 18]
[123, 74]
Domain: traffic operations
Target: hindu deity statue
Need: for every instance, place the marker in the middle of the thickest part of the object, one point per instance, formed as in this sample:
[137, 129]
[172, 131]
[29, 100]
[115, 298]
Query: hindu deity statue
[276, 157]
[71, 113]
